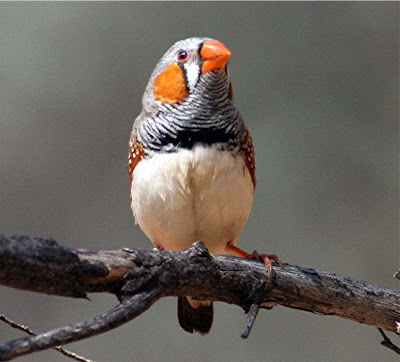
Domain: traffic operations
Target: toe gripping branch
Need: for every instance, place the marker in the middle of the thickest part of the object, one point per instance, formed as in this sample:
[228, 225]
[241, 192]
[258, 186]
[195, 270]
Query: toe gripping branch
[265, 258]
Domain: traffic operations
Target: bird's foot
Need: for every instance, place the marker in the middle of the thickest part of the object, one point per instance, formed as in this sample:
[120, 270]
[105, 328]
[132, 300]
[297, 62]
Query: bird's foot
[265, 258]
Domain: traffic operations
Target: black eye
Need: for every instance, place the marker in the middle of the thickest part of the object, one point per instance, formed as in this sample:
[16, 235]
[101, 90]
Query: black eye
[182, 55]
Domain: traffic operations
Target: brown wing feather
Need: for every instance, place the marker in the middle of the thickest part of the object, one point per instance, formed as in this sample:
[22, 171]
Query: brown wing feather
[136, 152]
[247, 151]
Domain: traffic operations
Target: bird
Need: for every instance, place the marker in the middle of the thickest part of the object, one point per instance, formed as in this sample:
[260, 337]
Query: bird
[191, 161]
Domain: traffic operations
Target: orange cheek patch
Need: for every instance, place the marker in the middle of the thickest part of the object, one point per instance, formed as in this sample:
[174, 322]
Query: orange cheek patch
[169, 86]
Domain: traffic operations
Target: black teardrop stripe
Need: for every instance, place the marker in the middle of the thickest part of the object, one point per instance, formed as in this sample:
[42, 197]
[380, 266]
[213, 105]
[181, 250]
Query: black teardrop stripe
[184, 75]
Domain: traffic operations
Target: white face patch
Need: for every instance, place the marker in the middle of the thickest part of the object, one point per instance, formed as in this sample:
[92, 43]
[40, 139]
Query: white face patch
[192, 73]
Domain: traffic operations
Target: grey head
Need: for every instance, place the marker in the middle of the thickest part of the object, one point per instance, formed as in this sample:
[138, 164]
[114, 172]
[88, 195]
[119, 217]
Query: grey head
[184, 53]
[188, 99]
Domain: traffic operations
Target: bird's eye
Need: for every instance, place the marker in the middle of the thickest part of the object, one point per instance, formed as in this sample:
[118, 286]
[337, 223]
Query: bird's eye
[182, 55]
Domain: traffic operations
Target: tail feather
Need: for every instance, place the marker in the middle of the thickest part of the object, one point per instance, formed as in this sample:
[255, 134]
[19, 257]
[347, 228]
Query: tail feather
[198, 319]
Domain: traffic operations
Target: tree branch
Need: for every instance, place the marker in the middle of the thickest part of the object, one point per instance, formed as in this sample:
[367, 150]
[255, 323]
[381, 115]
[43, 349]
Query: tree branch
[27, 330]
[388, 343]
[140, 277]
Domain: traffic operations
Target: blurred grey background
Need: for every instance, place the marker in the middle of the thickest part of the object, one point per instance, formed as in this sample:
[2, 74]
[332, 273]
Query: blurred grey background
[318, 86]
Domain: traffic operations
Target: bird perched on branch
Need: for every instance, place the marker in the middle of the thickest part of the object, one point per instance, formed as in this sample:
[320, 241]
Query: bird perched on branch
[191, 161]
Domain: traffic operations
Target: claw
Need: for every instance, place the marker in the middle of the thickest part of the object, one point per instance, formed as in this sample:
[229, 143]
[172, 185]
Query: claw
[265, 258]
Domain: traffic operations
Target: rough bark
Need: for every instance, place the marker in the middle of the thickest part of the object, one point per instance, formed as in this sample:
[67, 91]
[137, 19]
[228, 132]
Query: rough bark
[140, 277]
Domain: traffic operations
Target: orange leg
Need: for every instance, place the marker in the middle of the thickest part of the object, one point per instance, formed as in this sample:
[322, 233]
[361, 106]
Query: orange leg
[265, 258]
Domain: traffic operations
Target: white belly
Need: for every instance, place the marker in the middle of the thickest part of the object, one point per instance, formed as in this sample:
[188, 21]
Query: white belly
[202, 194]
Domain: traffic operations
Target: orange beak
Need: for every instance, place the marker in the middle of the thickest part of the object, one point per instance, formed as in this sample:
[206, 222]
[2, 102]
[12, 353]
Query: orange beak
[214, 54]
